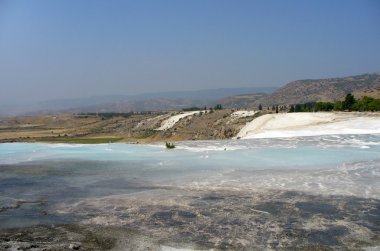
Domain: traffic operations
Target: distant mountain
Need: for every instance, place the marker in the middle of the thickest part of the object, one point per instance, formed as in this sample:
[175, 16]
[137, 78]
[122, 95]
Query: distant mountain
[171, 100]
[331, 89]
[300, 91]
[242, 101]
[152, 104]
[124, 103]
[207, 94]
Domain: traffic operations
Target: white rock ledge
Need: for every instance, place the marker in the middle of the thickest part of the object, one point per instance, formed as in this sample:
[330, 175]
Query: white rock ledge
[310, 124]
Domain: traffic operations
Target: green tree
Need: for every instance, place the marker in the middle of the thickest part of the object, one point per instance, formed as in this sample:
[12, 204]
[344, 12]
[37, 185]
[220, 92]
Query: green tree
[260, 107]
[291, 108]
[348, 102]
[324, 106]
[374, 105]
[298, 108]
[218, 107]
[338, 106]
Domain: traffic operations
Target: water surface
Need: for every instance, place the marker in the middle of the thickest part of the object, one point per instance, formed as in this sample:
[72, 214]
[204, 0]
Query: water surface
[123, 184]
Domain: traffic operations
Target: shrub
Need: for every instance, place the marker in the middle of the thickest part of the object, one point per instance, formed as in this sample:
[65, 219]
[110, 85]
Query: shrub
[169, 145]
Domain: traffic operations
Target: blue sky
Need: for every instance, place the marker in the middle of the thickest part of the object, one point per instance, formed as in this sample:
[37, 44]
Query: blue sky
[70, 48]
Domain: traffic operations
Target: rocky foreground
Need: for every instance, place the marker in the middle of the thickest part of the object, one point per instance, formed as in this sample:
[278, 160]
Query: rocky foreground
[161, 219]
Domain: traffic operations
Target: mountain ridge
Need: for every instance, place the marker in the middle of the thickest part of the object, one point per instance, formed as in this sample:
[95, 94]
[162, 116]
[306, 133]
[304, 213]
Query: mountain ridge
[295, 92]
[325, 90]
[159, 100]
[310, 90]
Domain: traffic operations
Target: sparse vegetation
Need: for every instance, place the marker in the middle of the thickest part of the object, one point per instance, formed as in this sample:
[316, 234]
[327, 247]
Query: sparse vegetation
[71, 128]
[169, 145]
[147, 134]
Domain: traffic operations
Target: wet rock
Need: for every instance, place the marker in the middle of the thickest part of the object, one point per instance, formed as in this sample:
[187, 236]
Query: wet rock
[328, 237]
[213, 197]
[220, 220]
[310, 208]
[186, 214]
[74, 246]
[163, 216]
[272, 207]
[17, 245]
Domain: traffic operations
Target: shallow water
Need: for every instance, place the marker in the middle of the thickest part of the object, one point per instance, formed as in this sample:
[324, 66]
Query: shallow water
[63, 183]
[335, 162]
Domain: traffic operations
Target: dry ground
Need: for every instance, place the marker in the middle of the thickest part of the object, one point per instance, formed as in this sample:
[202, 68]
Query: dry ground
[138, 128]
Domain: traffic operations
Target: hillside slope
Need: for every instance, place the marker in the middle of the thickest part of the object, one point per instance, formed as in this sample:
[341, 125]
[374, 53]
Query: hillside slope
[242, 101]
[134, 127]
[332, 89]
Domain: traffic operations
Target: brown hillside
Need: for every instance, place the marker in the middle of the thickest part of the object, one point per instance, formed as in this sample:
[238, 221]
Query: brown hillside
[332, 89]
[139, 127]
[241, 101]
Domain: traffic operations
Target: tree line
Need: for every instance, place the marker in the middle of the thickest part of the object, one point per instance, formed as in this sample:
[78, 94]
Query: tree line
[196, 108]
[348, 104]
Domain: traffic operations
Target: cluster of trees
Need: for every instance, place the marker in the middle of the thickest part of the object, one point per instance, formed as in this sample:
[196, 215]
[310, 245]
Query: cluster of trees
[348, 104]
[367, 104]
[193, 108]
[275, 108]
[196, 108]
[218, 107]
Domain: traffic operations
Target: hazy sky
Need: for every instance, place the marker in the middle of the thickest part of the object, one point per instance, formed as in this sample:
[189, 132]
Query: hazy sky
[57, 49]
